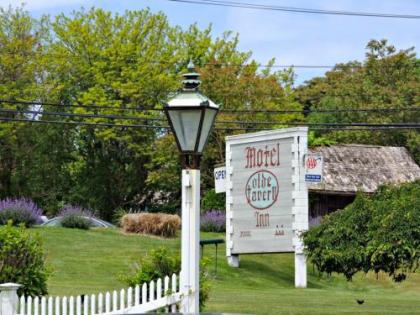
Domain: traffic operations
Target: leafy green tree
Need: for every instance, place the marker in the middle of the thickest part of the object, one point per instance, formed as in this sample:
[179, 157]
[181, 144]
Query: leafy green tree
[117, 61]
[387, 78]
[379, 233]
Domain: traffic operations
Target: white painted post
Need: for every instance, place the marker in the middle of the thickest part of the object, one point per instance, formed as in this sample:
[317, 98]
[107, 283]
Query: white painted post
[233, 260]
[9, 299]
[190, 240]
[300, 210]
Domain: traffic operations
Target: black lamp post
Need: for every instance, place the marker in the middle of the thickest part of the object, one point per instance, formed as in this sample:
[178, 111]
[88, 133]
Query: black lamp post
[191, 116]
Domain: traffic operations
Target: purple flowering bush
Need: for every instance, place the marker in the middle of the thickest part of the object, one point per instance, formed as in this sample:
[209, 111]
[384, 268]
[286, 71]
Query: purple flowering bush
[75, 217]
[19, 211]
[213, 221]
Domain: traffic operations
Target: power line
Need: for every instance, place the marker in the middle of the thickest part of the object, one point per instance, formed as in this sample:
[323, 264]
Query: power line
[317, 125]
[111, 125]
[356, 124]
[80, 123]
[141, 108]
[334, 110]
[254, 6]
[77, 115]
[137, 108]
[224, 64]
[220, 122]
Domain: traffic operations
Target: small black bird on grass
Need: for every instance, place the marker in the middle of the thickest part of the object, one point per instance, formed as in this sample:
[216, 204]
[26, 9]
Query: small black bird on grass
[360, 302]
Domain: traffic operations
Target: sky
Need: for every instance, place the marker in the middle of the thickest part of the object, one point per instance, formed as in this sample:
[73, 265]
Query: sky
[290, 38]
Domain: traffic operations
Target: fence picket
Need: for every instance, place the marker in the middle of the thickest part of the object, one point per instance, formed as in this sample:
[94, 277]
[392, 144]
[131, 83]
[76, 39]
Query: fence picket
[50, 306]
[57, 305]
[78, 305]
[86, 305]
[100, 303]
[159, 288]
[151, 290]
[114, 301]
[129, 297]
[137, 295]
[144, 293]
[93, 304]
[107, 302]
[174, 289]
[36, 306]
[71, 305]
[166, 290]
[122, 299]
[147, 297]
[29, 305]
[22, 305]
[64, 305]
[43, 306]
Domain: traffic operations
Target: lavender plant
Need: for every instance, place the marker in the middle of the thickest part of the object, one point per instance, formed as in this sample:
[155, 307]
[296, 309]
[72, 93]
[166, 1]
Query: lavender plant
[75, 217]
[19, 211]
[213, 221]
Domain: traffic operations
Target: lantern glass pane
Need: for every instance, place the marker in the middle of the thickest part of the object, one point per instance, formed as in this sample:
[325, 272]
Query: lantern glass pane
[210, 115]
[185, 124]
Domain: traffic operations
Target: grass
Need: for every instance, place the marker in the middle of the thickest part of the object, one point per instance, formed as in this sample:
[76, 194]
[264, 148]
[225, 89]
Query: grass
[90, 262]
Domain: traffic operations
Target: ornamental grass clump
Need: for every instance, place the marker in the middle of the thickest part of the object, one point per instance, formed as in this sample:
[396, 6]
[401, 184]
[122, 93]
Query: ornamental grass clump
[160, 224]
[75, 217]
[19, 211]
[213, 221]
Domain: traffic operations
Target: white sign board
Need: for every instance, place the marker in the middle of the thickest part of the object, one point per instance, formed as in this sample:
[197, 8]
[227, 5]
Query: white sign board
[220, 179]
[266, 199]
[313, 168]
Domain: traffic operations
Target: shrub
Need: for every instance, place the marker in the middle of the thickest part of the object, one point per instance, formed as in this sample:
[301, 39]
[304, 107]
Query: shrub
[160, 224]
[22, 260]
[75, 217]
[375, 233]
[211, 200]
[213, 221]
[160, 263]
[74, 221]
[19, 211]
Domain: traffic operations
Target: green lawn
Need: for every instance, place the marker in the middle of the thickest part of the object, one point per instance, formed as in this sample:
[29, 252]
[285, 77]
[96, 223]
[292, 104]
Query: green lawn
[90, 261]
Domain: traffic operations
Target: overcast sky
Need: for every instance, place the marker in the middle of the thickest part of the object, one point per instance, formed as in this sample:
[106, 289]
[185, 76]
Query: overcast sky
[292, 38]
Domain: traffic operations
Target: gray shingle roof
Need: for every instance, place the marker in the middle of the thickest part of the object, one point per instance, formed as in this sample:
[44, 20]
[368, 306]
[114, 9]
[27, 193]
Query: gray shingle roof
[351, 168]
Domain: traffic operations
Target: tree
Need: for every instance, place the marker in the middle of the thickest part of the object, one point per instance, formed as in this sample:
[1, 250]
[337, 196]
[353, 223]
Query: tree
[132, 60]
[387, 79]
[375, 233]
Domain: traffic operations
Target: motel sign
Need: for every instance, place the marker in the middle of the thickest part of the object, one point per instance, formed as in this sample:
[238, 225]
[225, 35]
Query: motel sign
[266, 195]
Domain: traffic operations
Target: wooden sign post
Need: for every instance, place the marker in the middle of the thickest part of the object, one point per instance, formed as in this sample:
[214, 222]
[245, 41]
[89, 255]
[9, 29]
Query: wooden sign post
[266, 195]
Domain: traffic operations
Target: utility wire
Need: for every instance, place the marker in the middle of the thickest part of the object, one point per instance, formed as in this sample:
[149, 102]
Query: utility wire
[114, 117]
[333, 110]
[241, 111]
[78, 123]
[136, 108]
[222, 64]
[77, 115]
[255, 6]
[243, 123]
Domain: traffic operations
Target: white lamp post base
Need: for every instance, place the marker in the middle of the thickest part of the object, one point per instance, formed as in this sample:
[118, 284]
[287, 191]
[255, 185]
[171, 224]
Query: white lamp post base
[190, 240]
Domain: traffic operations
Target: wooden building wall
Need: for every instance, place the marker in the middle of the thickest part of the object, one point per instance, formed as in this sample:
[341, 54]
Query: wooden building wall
[322, 204]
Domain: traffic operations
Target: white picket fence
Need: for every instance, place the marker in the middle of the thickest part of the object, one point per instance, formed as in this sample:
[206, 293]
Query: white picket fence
[139, 299]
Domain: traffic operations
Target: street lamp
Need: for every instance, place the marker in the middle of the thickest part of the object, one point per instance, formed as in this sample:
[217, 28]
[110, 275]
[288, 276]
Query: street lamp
[191, 116]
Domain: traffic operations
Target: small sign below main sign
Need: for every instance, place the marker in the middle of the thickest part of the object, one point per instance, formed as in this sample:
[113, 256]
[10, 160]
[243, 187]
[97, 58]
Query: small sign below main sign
[313, 168]
[220, 179]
